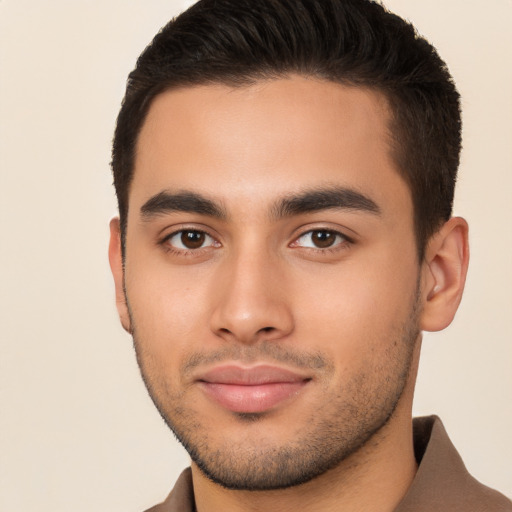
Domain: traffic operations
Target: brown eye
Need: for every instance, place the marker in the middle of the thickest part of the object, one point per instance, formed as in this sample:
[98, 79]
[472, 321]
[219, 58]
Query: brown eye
[320, 239]
[190, 239]
[323, 239]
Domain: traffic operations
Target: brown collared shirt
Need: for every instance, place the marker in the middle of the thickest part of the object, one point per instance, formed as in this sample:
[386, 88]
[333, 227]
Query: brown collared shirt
[441, 484]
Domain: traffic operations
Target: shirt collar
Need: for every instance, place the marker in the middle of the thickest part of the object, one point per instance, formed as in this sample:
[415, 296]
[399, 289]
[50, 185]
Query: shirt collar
[442, 482]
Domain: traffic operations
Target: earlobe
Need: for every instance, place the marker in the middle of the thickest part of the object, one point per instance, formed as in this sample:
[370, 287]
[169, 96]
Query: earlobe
[444, 274]
[115, 257]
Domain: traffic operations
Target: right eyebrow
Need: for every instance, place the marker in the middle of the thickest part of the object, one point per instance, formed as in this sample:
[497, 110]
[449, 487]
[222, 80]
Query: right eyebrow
[190, 202]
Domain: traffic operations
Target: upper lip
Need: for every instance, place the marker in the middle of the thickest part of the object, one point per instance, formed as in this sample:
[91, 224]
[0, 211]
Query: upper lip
[235, 374]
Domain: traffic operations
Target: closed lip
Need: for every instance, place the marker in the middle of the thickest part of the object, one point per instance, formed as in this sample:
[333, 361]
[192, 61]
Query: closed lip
[250, 376]
[254, 389]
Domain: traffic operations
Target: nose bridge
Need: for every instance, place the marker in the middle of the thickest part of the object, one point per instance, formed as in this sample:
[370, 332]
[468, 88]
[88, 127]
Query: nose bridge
[251, 303]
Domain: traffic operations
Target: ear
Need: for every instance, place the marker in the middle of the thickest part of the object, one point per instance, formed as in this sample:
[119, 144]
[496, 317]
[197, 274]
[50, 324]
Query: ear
[115, 257]
[444, 274]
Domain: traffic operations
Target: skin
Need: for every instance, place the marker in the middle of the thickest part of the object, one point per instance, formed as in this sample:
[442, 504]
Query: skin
[258, 289]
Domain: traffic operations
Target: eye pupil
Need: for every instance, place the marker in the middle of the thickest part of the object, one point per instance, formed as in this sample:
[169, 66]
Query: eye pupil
[192, 239]
[323, 239]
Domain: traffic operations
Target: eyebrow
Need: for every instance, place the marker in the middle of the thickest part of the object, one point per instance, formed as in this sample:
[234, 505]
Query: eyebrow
[325, 199]
[295, 204]
[190, 202]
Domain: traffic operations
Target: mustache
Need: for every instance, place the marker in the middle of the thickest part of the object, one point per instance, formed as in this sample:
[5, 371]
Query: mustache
[263, 351]
[267, 352]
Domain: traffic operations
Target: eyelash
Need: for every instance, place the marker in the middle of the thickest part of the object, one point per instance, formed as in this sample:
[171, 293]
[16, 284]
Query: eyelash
[165, 242]
[343, 242]
[340, 245]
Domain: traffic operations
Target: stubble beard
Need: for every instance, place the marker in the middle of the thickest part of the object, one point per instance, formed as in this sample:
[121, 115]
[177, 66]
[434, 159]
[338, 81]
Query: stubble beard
[339, 428]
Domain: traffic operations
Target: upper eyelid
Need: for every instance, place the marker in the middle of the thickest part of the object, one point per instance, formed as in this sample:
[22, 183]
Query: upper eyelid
[165, 241]
[175, 230]
[296, 236]
[343, 238]
[336, 231]
[329, 230]
[174, 233]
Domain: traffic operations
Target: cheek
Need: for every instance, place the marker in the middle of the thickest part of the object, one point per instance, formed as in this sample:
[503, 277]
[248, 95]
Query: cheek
[357, 306]
[169, 309]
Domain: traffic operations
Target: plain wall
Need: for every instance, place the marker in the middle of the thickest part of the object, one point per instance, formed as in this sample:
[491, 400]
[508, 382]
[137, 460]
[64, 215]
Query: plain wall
[77, 430]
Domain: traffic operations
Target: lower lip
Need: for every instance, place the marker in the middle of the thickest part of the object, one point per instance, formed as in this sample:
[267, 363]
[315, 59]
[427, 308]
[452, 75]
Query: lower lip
[254, 398]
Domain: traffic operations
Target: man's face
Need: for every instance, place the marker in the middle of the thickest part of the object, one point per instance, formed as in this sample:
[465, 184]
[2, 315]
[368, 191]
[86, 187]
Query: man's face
[271, 275]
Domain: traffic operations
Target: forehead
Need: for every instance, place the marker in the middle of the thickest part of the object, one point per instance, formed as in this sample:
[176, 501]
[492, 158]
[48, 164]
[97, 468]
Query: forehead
[274, 137]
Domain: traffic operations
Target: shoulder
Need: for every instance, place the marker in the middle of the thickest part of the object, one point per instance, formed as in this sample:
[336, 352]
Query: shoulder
[181, 498]
[442, 482]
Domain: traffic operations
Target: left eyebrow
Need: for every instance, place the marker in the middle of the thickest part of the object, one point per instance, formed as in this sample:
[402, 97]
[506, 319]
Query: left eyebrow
[338, 198]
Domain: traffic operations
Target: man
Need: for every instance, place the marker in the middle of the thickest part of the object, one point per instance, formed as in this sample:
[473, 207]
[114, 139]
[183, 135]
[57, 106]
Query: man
[285, 174]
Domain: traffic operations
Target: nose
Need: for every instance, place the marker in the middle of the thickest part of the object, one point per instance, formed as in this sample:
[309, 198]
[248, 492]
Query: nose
[252, 304]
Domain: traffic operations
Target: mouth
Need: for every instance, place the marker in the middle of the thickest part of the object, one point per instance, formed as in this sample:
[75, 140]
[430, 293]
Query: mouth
[253, 389]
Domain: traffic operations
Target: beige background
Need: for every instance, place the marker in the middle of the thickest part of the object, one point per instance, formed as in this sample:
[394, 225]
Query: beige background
[77, 430]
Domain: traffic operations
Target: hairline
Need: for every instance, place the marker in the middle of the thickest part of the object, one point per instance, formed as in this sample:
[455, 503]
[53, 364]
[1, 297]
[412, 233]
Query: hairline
[244, 80]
